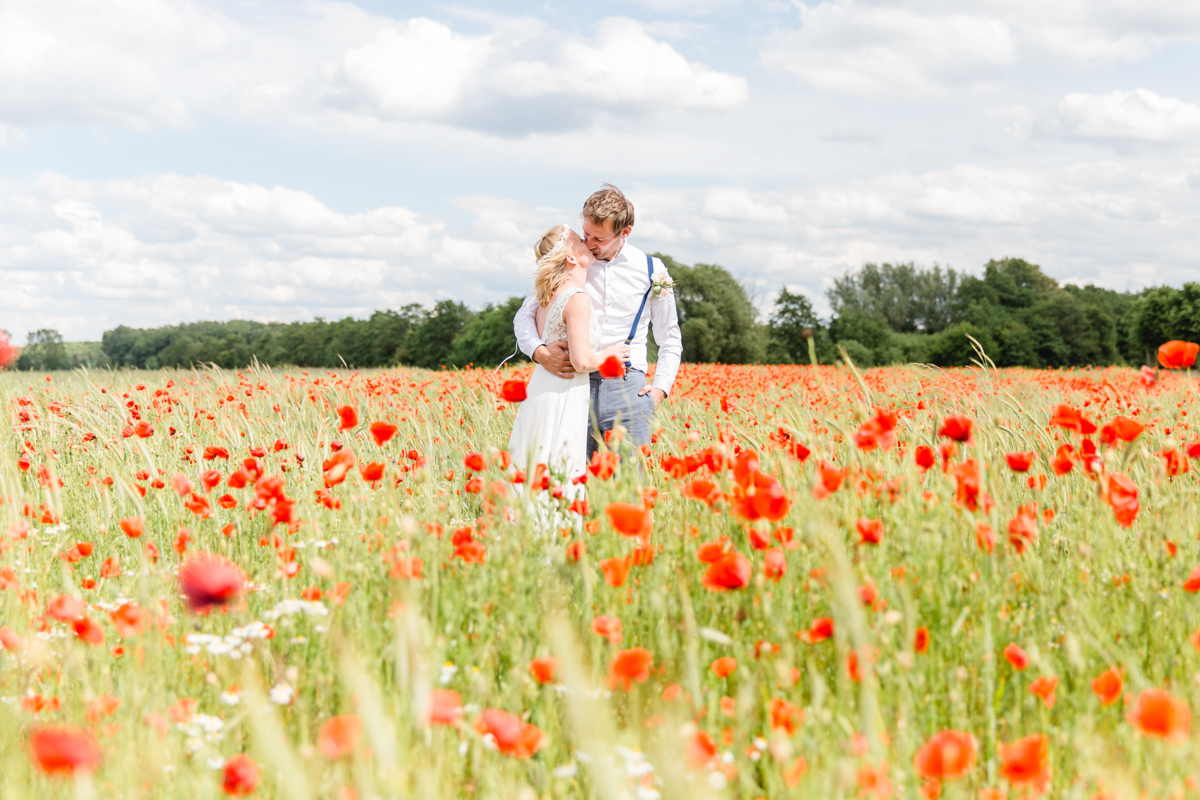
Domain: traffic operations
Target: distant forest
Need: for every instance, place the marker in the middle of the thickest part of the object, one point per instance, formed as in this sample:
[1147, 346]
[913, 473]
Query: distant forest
[882, 314]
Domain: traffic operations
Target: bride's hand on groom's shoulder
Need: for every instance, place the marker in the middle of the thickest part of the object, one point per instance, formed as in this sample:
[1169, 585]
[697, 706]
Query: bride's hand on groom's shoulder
[555, 359]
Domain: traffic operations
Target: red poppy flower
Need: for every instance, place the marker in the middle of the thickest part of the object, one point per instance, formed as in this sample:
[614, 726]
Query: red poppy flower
[774, 564]
[921, 640]
[1020, 462]
[211, 453]
[1044, 688]
[608, 627]
[132, 526]
[511, 735]
[339, 736]
[785, 716]
[10, 640]
[88, 630]
[870, 531]
[878, 432]
[371, 472]
[701, 750]
[445, 707]
[1177, 355]
[1122, 494]
[382, 432]
[629, 666]
[925, 457]
[543, 669]
[1022, 528]
[65, 608]
[209, 580]
[347, 417]
[630, 519]
[1016, 656]
[820, 630]
[1121, 428]
[1108, 686]
[513, 390]
[1072, 419]
[1156, 712]
[723, 667]
[611, 367]
[63, 750]
[240, 776]
[946, 756]
[615, 571]
[1027, 761]
[957, 428]
[830, 480]
[731, 571]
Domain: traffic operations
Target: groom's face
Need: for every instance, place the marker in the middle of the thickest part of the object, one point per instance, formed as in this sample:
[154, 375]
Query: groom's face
[602, 240]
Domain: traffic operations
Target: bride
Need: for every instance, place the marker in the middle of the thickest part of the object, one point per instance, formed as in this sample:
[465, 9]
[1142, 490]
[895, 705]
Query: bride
[552, 422]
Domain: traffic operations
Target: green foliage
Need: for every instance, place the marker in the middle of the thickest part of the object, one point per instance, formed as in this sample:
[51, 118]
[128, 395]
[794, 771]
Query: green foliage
[44, 351]
[487, 338]
[952, 347]
[718, 322]
[907, 299]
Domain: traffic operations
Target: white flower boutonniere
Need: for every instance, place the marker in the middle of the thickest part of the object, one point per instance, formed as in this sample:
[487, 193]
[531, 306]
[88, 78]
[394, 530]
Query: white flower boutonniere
[661, 283]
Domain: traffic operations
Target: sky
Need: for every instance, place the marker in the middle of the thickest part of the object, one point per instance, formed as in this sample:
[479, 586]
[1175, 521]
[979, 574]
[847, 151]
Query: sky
[164, 161]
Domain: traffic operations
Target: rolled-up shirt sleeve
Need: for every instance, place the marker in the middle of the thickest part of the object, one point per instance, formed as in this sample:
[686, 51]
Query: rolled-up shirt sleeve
[525, 326]
[664, 320]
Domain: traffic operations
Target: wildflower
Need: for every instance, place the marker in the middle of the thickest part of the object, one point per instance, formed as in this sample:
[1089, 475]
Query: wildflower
[830, 480]
[132, 526]
[88, 630]
[382, 432]
[1026, 761]
[611, 367]
[510, 734]
[924, 457]
[210, 580]
[1122, 495]
[870, 531]
[513, 390]
[877, 432]
[957, 428]
[1016, 656]
[1022, 528]
[1177, 355]
[820, 630]
[10, 640]
[731, 571]
[629, 519]
[240, 776]
[985, 537]
[774, 564]
[629, 666]
[339, 736]
[1108, 686]
[1121, 429]
[724, 666]
[1072, 419]
[1020, 462]
[1156, 712]
[65, 608]
[608, 627]
[63, 750]
[615, 571]
[347, 418]
[445, 707]
[1044, 688]
[474, 462]
[921, 640]
[543, 669]
[785, 716]
[701, 750]
[946, 756]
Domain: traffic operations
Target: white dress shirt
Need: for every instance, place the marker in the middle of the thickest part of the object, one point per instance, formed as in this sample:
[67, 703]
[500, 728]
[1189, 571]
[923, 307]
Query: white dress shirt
[616, 288]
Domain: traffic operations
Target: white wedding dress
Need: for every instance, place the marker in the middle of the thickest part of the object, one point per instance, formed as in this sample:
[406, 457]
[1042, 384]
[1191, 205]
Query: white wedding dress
[552, 422]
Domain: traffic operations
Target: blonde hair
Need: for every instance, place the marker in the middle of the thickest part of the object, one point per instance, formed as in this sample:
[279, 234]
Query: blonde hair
[609, 205]
[552, 271]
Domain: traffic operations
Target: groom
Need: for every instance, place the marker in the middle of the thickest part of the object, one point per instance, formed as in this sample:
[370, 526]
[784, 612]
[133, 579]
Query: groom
[624, 285]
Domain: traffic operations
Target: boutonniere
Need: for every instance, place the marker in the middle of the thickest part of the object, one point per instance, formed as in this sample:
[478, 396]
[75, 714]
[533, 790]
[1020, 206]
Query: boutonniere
[661, 283]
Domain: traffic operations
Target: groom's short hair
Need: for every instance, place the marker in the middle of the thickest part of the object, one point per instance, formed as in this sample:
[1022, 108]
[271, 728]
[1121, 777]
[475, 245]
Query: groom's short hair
[609, 206]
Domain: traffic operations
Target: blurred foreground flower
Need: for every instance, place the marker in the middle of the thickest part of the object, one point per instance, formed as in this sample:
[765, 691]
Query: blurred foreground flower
[210, 580]
[63, 750]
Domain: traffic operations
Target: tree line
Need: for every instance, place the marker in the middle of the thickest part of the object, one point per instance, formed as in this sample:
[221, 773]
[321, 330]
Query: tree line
[882, 314]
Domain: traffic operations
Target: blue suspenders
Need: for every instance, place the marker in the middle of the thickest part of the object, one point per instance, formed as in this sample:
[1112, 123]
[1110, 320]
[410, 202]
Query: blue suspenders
[637, 320]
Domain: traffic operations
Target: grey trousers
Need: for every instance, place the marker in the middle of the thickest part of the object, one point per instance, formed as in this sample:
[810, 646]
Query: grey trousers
[616, 401]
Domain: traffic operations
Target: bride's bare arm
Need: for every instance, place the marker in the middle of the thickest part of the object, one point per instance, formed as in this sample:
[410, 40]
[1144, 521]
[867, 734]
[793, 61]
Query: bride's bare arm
[583, 358]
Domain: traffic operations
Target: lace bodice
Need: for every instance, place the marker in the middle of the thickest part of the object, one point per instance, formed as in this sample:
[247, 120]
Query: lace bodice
[556, 326]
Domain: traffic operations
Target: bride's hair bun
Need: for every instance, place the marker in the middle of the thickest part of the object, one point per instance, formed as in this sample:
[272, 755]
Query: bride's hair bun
[551, 252]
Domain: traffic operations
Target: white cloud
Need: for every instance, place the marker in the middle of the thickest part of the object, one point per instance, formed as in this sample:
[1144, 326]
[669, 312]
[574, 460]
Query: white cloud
[924, 47]
[423, 70]
[1120, 117]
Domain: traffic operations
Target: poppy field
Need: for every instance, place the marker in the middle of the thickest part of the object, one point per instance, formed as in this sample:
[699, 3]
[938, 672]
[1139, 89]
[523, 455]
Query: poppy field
[816, 582]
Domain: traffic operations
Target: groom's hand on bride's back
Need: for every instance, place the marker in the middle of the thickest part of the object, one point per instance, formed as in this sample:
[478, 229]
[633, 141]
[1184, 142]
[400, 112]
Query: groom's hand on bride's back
[555, 359]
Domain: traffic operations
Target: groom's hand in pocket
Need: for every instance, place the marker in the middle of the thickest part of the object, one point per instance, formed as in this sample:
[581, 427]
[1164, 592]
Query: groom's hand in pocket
[555, 359]
[658, 394]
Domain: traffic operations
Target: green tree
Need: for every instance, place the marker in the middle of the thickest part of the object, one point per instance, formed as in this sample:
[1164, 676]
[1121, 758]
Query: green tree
[44, 351]
[430, 341]
[718, 322]
[793, 318]
[487, 338]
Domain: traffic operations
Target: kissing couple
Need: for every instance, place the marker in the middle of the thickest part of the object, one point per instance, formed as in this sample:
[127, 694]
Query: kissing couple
[593, 301]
